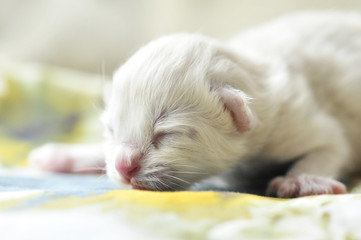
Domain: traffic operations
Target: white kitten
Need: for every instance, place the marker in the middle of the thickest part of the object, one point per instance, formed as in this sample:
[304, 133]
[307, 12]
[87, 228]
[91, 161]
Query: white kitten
[186, 107]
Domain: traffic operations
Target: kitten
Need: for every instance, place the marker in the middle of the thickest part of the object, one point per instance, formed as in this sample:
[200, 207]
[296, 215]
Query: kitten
[186, 107]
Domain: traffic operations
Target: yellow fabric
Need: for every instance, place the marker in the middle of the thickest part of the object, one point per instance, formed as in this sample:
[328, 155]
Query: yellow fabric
[42, 103]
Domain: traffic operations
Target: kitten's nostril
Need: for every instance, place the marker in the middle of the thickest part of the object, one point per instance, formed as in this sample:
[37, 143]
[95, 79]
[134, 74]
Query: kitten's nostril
[127, 169]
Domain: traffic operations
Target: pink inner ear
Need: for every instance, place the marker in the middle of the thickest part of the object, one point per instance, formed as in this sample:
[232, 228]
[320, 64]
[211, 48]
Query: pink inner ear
[234, 102]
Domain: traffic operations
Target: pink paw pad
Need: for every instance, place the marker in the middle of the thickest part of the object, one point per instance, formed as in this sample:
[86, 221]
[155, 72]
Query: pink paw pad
[304, 185]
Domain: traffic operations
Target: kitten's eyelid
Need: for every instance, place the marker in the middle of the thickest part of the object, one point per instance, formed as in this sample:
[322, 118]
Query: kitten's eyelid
[159, 136]
[166, 133]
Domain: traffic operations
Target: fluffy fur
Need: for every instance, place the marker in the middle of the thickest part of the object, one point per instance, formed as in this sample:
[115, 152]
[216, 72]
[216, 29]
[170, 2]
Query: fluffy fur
[190, 107]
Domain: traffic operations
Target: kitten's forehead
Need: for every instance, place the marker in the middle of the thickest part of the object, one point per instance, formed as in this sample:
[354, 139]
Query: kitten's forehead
[165, 77]
[165, 70]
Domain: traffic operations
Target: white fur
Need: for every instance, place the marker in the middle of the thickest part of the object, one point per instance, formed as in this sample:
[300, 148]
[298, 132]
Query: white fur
[299, 78]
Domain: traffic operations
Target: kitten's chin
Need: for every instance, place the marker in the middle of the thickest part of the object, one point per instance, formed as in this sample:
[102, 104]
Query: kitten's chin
[159, 183]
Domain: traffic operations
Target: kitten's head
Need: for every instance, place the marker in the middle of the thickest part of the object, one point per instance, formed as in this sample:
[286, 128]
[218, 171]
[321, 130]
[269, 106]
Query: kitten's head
[173, 117]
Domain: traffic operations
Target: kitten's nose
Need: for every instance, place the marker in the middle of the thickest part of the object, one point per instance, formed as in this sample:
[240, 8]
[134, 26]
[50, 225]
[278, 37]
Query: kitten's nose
[128, 167]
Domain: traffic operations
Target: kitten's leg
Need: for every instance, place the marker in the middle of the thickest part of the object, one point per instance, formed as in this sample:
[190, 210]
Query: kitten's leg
[68, 158]
[316, 171]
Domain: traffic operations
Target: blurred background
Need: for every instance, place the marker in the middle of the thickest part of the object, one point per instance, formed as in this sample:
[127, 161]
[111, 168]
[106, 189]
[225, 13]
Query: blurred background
[98, 35]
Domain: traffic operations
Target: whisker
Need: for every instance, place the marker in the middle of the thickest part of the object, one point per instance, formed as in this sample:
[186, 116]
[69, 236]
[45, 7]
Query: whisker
[153, 171]
[91, 168]
[187, 172]
[154, 181]
[163, 183]
[157, 181]
[102, 176]
[100, 169]
[179, 179]
[186, 166]
[173, 183]
[176, 184]
[95, 167]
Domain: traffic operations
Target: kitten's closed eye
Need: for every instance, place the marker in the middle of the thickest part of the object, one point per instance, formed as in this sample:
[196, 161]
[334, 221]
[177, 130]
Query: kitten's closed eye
[161, 136]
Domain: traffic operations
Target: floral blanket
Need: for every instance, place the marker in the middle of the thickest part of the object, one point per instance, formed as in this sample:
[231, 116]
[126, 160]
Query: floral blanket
[40, 103]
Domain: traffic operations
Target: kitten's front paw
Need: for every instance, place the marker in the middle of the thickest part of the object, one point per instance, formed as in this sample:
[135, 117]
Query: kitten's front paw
[50, 157]
[304, 185]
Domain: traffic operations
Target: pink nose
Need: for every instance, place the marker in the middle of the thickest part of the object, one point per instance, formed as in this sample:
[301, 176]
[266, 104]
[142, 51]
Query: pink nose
[127, 168]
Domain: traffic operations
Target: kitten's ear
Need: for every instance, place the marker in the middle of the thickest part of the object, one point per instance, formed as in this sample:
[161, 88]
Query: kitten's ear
[237, 103]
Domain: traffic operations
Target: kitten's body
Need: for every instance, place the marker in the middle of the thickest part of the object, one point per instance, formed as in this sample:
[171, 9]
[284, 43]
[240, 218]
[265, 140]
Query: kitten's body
[321, 57]
[186, 107]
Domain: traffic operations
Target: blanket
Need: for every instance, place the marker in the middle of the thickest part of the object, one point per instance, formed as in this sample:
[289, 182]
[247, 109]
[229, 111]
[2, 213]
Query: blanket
[40, 103]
